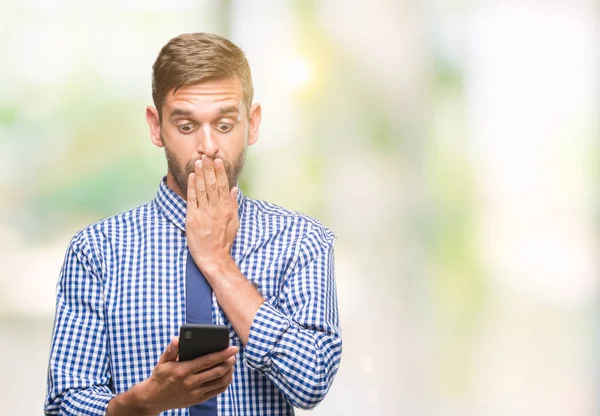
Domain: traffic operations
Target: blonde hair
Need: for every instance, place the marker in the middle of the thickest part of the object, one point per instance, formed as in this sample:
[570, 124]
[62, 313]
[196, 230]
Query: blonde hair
[193, 58]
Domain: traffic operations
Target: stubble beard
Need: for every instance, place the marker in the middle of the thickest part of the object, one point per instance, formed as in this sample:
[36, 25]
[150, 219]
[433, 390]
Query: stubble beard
[180, 173]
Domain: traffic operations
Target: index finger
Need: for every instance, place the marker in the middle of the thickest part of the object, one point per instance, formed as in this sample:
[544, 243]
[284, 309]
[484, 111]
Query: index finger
[210, 360]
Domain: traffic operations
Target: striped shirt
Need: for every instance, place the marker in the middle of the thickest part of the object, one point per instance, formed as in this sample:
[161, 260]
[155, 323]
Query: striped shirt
[121, 298]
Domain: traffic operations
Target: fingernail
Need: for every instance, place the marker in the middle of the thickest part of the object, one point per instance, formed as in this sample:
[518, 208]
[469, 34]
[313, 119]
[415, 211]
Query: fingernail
[199, 164]
[218, 162]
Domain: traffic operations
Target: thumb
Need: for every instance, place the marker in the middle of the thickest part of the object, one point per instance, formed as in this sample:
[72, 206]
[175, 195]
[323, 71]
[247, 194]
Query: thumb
[171, 352]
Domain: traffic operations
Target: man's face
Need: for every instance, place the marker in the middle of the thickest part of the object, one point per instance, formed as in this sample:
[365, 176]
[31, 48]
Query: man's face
[209, 118]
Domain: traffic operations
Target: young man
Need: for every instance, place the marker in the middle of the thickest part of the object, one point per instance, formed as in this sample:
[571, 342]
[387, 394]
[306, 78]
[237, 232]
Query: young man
[199, 252]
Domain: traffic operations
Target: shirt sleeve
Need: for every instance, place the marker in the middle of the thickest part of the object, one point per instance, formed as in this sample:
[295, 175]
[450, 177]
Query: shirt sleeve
[297, 342]
[79, 370]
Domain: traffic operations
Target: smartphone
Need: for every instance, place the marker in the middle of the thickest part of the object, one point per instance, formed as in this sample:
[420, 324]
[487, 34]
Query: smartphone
[196, 340]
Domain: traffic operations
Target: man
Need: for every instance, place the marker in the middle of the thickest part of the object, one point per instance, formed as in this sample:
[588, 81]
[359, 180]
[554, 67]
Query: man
[199, 248]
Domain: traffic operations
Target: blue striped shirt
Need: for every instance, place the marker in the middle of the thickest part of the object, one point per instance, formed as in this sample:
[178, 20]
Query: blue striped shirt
[121, 298]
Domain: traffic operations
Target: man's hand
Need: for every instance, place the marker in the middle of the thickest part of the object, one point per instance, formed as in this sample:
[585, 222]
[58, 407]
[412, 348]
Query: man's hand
[212, 214]
[174, 384]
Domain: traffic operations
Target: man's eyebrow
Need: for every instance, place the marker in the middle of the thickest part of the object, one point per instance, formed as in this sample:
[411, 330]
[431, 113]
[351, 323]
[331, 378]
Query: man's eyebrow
[230, 109]
[187, 113]
[179, 112]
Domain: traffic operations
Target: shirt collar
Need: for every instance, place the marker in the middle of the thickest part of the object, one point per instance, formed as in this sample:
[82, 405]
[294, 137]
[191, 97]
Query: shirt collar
[174, 207]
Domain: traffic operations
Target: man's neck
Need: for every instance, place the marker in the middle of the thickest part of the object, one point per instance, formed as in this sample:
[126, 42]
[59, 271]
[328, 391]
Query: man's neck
[170, 182]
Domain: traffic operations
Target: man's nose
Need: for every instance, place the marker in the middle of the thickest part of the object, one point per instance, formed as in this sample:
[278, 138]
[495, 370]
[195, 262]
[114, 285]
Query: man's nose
[206, 143]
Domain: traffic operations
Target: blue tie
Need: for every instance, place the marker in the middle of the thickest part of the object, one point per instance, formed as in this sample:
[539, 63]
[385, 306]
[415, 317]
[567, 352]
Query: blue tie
[198, 303]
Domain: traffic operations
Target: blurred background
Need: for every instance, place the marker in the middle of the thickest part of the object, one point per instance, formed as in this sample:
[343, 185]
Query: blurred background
[451, 145]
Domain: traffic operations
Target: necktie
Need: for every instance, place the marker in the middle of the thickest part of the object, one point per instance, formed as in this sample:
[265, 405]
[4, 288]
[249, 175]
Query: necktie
[198, 302]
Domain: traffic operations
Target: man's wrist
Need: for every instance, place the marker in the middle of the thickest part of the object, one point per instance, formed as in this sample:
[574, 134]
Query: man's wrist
[134, 401]
[215, 268]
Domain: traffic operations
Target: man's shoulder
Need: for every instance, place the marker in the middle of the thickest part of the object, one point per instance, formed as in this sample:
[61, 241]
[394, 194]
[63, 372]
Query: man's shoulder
[123, 222]
[270, 214]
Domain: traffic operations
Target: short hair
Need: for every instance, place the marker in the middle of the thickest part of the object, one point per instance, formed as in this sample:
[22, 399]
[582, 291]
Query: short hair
[193, 58]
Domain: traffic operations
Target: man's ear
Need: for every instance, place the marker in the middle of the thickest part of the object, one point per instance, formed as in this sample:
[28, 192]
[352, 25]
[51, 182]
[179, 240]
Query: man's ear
[154, 123]
[255, 118]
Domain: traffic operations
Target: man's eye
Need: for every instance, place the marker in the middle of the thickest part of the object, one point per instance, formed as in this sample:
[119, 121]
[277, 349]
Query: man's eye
[224, 127]
[186, 128]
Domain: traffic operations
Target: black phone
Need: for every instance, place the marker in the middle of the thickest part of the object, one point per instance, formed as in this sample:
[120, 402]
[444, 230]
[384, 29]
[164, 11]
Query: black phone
[196, 340]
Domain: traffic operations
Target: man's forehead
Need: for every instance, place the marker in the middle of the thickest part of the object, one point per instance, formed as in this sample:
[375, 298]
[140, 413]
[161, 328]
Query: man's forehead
[215, 96]
[215, 88]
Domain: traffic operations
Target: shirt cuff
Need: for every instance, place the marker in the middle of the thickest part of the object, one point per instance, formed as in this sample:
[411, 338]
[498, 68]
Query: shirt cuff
[89, 402]
[268, 327]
